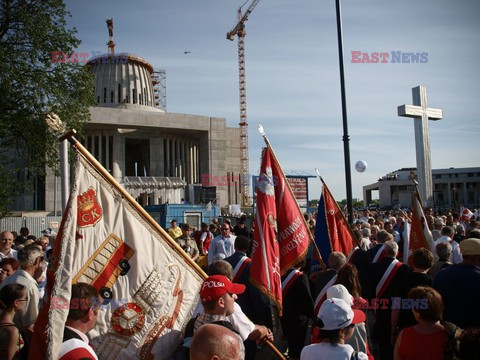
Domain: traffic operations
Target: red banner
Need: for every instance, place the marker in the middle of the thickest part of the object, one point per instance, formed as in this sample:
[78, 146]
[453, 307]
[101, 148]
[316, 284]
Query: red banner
[417, 233]
[340, 235]
[281, 238]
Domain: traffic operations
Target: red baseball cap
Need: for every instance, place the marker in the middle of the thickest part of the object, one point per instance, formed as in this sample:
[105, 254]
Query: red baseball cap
[216, 285]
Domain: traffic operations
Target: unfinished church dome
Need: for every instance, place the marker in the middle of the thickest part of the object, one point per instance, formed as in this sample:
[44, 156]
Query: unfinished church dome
[123, 80]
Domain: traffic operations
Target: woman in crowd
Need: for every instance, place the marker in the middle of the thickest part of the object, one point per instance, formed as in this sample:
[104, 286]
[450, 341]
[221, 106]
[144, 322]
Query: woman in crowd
[336, 321]
[426, 340]
[8, 266]
[12, 300]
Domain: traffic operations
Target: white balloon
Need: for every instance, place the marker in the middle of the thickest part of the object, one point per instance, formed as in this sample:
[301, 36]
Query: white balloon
[361, 166]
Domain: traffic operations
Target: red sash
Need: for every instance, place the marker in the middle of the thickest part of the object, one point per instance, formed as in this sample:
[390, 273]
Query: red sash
[379, 255]
[289, 280]
[241, 265]
[387, 277]
[323, 295]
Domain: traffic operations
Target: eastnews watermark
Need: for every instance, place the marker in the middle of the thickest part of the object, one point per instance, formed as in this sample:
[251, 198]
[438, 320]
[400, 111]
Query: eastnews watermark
[393, 57]
[95, 57]
[57, 303]
[394, 303]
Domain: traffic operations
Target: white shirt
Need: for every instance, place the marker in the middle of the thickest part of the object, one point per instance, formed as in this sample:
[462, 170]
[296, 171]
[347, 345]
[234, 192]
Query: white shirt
[221, 245]
[365, 244]
[327, 351]
[238, 319]
[456, 255]
[70, 346]
[11, 254]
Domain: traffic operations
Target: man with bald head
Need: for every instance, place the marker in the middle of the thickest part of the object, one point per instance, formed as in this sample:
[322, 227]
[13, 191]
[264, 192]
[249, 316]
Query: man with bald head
[215, 342]
[6, 242]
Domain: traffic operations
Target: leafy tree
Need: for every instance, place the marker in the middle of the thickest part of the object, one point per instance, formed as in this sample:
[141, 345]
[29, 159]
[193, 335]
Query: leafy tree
[32, 86]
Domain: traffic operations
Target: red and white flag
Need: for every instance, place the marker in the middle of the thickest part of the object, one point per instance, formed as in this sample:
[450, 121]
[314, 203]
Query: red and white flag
[150, 287]
[281, 237]
[420, 235]
[465, 214]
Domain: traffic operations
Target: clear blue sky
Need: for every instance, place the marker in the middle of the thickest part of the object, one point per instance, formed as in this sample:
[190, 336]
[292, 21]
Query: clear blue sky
[293, 86]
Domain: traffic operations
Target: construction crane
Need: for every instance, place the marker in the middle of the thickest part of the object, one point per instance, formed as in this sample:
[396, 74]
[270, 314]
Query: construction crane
[239, 30]
[110, 43]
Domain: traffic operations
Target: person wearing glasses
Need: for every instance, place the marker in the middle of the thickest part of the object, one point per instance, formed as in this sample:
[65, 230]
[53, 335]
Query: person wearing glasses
[222, 244]
[12, 301]
[30, 259]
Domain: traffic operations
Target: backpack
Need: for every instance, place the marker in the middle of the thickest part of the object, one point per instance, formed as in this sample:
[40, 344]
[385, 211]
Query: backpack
[452, 345]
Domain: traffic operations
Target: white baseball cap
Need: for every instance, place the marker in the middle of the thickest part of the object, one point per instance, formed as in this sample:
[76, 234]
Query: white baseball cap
[337, 314]
[340, 292]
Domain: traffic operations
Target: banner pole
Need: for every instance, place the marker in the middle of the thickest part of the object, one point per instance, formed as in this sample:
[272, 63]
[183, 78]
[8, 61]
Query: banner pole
[70, 136]
[311, 238]
[339, 210]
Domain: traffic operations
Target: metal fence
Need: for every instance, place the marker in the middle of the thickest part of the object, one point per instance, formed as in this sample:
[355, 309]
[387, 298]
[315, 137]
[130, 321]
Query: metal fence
[34, 223]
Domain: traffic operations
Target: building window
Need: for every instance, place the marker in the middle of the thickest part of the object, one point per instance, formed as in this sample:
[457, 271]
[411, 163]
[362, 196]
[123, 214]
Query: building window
[111, 96]
[119, 93]
[104, 94]
[134, 98]
[98, 99]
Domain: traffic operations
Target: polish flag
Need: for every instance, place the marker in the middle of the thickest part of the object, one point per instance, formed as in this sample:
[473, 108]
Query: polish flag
[281, 235]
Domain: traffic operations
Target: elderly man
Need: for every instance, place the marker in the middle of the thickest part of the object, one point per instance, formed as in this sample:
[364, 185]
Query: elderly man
[222, 244]
[213, 341]
[459, 286]
[6, 242]
[30, 261]
[447, 237]
[387, 276]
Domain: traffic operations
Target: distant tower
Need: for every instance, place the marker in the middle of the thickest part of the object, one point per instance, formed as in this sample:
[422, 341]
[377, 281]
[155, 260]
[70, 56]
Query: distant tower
[127, 80]
[110, 43]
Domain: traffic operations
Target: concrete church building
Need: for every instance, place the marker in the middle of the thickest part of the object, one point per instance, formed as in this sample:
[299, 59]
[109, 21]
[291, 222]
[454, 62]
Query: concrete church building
[157, 156]
[451, 188]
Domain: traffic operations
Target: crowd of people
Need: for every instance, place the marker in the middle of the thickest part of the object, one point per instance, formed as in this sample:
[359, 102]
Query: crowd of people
[363, 305]
[367, 304]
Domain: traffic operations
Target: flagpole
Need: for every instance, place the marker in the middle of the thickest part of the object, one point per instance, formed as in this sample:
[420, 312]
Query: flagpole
[70, 136]
[339, 210]
[267, 142]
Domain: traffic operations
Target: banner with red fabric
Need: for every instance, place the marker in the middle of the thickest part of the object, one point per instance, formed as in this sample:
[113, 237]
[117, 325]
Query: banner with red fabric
[148, 286]
[281, 237]
[332, 232]
[419, 233]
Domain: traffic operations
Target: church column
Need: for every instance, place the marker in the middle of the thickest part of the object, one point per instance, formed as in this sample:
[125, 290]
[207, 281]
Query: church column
[184, 159]
[191, 162]
[107, 152]
[177, 157]
[118, 157]
[167, 157]
[100, 153]
[156, 156]
[197, 175]
[194, 172]
[174, 158]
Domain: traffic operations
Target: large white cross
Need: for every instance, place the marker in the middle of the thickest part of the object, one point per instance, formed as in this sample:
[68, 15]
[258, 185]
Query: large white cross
[421, 114]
